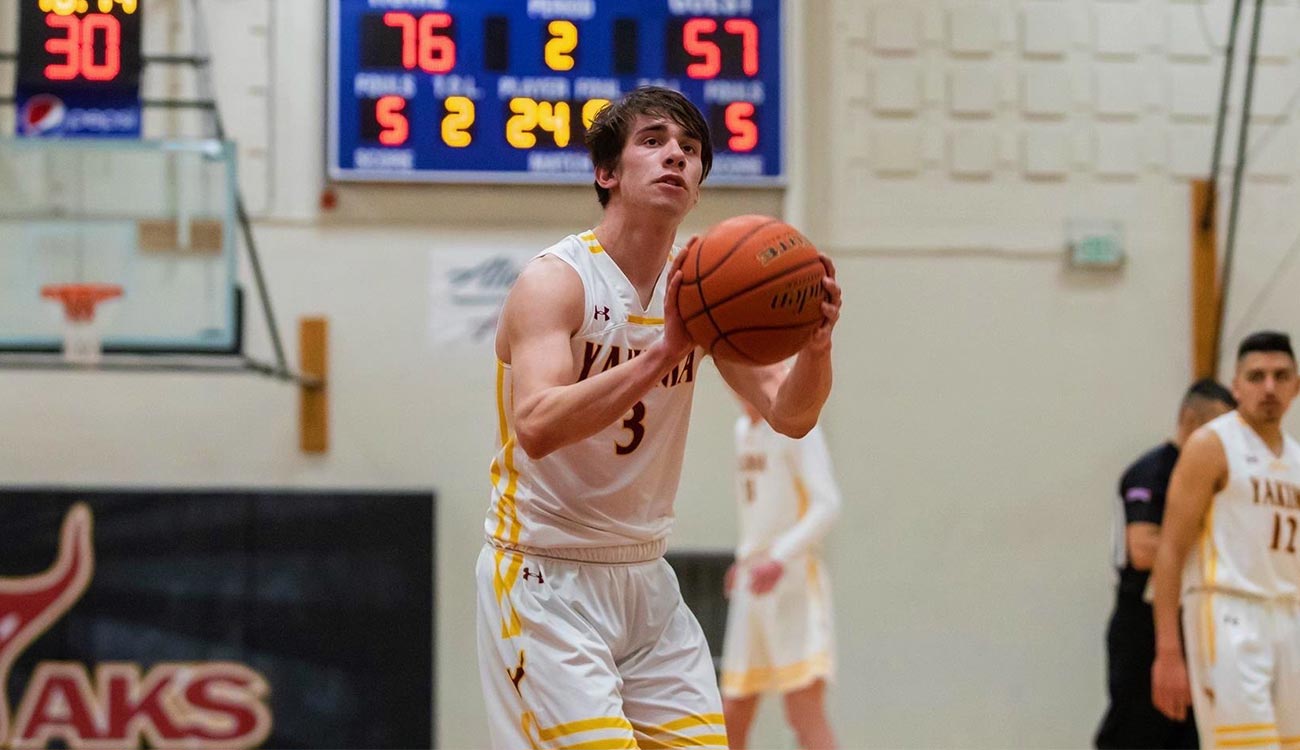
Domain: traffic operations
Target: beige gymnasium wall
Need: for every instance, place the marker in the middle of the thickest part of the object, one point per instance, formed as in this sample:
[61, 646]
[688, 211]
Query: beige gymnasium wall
[987, 395]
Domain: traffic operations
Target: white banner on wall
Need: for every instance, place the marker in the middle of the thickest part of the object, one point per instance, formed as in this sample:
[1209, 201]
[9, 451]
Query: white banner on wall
[468, 289]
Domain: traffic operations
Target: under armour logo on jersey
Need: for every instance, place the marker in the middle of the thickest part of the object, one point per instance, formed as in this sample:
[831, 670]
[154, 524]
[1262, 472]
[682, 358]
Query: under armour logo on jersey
[537, 575]
[600, 312]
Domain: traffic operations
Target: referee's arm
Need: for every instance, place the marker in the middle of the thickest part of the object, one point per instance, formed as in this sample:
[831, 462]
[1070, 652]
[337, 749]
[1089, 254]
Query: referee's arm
[1142, 539]
[1143, 500]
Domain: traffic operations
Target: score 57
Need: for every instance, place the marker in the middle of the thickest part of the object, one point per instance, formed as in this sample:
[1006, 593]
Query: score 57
[709, 49]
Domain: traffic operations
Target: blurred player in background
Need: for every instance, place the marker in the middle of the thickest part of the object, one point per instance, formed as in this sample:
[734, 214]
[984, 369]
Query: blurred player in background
[1234, 504]
[779, 630]
[1131, 721]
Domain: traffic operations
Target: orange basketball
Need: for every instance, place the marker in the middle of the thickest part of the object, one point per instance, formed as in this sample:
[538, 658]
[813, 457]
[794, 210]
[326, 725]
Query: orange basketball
[751, 290]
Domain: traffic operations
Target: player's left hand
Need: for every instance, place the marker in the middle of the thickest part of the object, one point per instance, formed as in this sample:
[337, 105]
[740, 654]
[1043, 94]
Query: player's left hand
[764, 575]
[821, 340]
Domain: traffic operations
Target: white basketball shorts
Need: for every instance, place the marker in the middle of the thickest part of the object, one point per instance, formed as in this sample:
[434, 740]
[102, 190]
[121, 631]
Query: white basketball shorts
[587, 655]
[1243, 658]
[782, 640]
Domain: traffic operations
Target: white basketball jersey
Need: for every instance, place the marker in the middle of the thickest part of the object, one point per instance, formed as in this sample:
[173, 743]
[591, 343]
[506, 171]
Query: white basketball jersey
[1250, 538]
[615, 488]
[785, 491]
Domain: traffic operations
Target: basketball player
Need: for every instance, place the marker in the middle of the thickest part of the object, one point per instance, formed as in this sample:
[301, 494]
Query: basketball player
[1132, 721]
[1234, 503]
[584, 640]
[779, 634]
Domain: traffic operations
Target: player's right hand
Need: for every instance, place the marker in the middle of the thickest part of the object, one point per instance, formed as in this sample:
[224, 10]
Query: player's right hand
[764, 574]
[1170, 691]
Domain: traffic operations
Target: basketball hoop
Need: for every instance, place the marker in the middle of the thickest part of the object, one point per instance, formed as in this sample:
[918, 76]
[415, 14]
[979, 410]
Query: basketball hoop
[81, 343]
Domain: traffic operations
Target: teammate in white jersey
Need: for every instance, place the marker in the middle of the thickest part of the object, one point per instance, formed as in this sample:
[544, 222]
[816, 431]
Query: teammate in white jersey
[779, 631]
[1234, 504]
[584, 640]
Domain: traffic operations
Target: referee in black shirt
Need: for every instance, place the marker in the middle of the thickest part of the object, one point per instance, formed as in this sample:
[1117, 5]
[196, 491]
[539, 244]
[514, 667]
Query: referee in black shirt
[1132, 721]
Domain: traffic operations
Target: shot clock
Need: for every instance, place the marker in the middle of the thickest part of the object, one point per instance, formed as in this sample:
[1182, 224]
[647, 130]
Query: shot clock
[78, 71]
[504, 90]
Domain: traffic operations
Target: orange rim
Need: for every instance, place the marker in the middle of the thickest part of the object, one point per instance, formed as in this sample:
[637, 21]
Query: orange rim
[79, 300]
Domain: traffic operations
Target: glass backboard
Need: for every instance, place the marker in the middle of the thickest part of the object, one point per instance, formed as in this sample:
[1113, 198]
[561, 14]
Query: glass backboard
[157, 218]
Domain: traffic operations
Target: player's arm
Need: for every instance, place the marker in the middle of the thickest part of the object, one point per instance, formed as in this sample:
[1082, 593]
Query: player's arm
[813, 468]
[791, 400]
[810, 465]
[1200, 472]
[552, 408]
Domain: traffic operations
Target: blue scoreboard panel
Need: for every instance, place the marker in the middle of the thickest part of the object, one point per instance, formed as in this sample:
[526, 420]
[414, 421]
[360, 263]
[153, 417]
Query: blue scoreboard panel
[503, 90]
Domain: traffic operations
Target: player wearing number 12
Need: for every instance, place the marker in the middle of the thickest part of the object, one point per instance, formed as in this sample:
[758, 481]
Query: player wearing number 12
[1234, 503]
[583, 637]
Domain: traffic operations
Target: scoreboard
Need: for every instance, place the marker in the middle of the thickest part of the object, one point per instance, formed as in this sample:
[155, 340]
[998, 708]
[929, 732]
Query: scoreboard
[78, 71]
[503, 91]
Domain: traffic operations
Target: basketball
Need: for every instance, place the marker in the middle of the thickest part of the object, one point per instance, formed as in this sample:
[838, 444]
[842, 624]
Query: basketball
[751, 290]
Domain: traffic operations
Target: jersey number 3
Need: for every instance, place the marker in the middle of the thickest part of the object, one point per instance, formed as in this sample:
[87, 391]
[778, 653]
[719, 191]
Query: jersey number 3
[633, 425]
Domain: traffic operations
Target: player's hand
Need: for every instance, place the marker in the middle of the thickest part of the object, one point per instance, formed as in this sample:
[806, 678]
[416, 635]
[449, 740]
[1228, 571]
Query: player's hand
[821, 340]
[1170, 692]
[763, 575]
[728, 581]
[676, 339]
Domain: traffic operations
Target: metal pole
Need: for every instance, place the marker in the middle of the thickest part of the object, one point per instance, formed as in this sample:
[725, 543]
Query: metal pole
[241, 210]
[1238, 170]
[1229, 56]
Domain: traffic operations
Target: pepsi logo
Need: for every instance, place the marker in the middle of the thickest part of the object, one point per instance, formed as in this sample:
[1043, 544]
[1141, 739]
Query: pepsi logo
[41, 114]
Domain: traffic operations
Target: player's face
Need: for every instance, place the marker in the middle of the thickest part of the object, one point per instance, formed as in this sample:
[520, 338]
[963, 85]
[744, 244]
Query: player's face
[1265, 385]
[659, 167]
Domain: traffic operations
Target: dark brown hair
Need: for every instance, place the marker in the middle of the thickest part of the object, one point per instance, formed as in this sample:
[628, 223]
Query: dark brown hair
[608, 132]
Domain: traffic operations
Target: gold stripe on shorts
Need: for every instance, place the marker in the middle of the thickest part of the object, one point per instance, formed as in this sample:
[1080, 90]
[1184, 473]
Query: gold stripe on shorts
[776, 678]
[585, 725]
[1238, 735]
[1246, 742]
[1234, 728]
[617, 743]
[670, 734]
